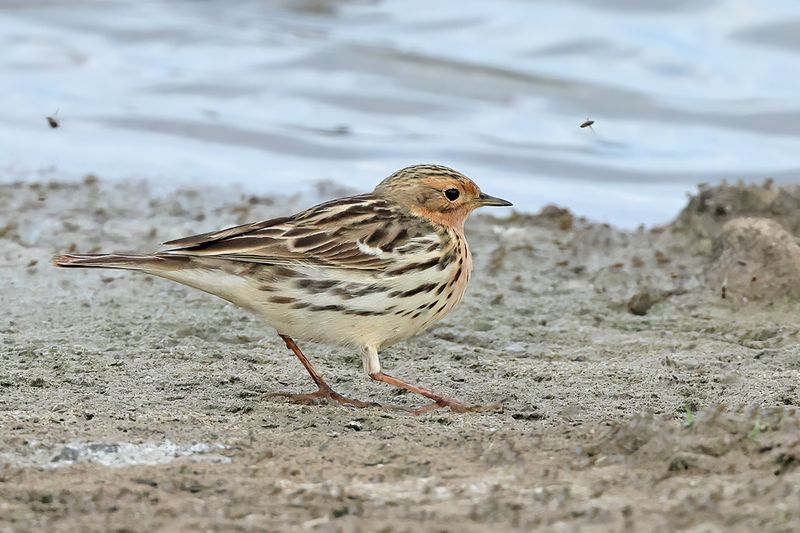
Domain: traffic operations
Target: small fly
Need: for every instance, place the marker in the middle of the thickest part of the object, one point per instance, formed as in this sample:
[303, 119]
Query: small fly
[53, 121]
[587, 124]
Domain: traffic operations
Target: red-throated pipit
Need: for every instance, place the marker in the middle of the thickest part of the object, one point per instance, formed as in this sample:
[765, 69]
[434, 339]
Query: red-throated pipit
[365, 271]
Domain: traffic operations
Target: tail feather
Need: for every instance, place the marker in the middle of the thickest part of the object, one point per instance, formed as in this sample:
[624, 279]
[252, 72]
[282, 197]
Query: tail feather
[124, 261]
[214, 276]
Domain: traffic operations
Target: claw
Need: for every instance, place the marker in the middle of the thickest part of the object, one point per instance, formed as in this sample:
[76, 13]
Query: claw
[313, 398]
[458, 407]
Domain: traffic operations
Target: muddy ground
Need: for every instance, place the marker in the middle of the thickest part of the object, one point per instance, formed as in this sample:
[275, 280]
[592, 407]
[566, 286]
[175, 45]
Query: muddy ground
[650, 380]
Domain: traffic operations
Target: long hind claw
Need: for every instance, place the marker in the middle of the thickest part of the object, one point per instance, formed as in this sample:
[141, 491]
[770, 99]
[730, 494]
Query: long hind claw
[321, 395]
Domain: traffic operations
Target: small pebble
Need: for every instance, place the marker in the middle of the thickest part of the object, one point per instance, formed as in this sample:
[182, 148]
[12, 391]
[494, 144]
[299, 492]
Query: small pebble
[354, 425]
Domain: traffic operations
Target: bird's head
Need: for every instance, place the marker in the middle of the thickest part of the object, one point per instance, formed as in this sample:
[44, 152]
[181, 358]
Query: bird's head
[437, 193]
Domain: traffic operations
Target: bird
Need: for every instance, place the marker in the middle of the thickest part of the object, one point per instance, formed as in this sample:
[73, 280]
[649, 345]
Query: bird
[363, 271]
[53, 121]
[587, 124]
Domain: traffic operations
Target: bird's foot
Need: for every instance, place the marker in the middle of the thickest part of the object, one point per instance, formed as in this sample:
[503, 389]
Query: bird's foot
[323, 395]
[458, 407]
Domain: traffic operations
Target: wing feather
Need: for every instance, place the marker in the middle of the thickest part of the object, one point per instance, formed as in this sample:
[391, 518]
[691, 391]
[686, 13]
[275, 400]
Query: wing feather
[361, 232]
[222, 234]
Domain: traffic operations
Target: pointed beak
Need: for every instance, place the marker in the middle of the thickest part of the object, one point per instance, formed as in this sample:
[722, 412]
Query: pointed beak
[486, 200]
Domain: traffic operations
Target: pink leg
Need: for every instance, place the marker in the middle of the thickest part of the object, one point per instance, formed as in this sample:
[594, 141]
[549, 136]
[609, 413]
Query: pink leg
[439, 400]
[324, 391]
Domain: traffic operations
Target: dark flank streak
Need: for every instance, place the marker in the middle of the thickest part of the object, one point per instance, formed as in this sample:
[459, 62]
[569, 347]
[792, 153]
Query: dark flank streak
[331, 307]
[446, 259]
[316, 285]
[361, 312]
[353, 290]
[415, 266]
[282, 299]
[343, 293]
[301, 305]
[441, 288]
[441, 308]
[411, 292]
[455, 278]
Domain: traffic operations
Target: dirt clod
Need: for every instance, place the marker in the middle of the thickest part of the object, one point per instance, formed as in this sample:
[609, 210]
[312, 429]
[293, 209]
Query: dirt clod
[755, 259]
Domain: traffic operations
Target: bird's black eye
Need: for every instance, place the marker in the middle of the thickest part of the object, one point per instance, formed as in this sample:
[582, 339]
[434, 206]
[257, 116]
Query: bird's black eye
[452, 194]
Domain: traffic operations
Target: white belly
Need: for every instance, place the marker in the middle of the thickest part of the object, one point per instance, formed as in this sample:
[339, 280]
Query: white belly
[379, 318]
[336, 306]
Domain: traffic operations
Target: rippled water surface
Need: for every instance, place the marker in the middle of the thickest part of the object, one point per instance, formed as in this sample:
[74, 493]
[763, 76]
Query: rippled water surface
[278, 95]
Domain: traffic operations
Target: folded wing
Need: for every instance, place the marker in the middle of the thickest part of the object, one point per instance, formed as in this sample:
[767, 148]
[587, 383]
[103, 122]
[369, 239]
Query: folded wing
[359, 232]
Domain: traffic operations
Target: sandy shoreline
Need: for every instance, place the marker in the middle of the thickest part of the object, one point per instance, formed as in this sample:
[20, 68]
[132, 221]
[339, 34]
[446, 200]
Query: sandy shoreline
[579, 328]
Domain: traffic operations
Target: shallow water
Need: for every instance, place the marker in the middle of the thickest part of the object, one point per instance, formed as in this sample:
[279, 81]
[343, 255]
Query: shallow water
[277, 95]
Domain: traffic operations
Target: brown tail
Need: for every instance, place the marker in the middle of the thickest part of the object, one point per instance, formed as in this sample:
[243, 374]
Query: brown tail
[128, 262]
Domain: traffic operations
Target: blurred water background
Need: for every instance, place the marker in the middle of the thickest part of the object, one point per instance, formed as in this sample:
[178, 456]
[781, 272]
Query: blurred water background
[277, 95]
